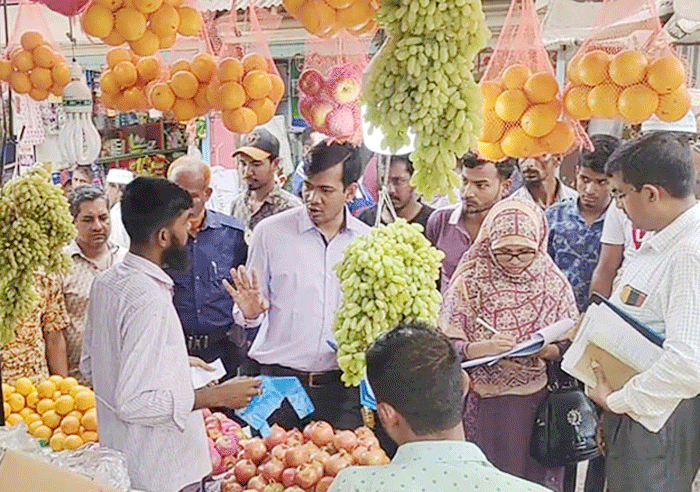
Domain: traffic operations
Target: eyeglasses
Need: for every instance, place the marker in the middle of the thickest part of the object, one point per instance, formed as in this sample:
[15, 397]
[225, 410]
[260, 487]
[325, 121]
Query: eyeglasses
[399, 181]
[523, 256]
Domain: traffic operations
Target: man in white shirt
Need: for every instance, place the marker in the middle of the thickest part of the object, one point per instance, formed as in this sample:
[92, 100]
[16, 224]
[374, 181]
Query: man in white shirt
[134, 350]
[650, 424]
[116, 180]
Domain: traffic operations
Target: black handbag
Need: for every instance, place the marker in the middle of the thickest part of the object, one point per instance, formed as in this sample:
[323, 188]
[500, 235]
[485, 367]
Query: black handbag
[565, 425]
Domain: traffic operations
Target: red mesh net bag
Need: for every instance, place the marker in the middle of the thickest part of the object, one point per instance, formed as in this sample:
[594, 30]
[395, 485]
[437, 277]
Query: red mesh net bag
[145, 25]
[32, 63]
[247, 86]
[627, 69]
[327, 18]
[330, 87]
[523, 114]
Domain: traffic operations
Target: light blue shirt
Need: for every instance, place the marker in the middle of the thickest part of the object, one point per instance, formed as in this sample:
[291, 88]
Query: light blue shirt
[434, 466]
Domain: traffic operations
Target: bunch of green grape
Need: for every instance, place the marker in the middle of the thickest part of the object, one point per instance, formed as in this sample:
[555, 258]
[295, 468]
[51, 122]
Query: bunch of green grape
[421, 79]
[35, 226]
[386, 277]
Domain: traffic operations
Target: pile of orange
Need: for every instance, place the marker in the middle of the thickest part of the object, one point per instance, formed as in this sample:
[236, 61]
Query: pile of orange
[146, 25]
[626, 86]
[124, 81]
[35, 68]
[522, 116]
[326, 18]
[58, 411]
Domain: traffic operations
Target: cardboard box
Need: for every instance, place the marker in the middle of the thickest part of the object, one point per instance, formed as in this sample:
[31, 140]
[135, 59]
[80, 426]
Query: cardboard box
[21, 472]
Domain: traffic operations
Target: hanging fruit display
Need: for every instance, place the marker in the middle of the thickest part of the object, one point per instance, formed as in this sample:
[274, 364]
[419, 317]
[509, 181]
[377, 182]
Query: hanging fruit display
[146, 25]
[326, 18]
[125, 79]
[35, 68]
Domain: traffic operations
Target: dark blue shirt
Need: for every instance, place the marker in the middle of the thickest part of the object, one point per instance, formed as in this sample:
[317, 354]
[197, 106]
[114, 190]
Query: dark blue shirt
[574, 246]
[201, 302]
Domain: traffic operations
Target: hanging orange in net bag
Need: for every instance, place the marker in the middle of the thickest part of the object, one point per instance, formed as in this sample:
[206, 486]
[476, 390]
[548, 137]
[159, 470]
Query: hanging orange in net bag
[523, 114]
[125, 80]
[33, 63]
[627, 69]
[327, 18]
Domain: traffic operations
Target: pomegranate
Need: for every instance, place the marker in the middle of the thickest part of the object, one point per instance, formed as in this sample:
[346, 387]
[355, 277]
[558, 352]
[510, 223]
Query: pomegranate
[374, 457]
[318, 467]
[288, 476]
[324, 484]
[321, 457]
[307, 476]
[346, 440]
[277, 436]
[255, 450]
[244, 471]
[321, 433]
[294, 488]
[336, 463]
[296, 456]
[358, 452]
[272, 470]
[231, 486]
[274, 487]
[257, 483]
[279, 451]
[364, 431]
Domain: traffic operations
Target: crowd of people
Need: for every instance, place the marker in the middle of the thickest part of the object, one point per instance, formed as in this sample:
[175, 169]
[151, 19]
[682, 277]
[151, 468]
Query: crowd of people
[160, 282]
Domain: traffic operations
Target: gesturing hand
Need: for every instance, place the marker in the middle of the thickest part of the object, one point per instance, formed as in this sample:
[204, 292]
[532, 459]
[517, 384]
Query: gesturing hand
[237, 392]
[246, 292]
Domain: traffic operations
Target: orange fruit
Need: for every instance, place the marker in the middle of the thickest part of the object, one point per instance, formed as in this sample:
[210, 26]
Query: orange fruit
[112, 5]
[628, 67]
[89, 420]
[203, 67]
[42, 432]
[637, 103]
[38, 94]
[666, 74]
[492, 128]
[116, 55]
[213, 93]
[511, 105]
[542, 87]
[16, 402]
[147, 6]
[25, 412]
[134, 98]
[164, 21]
[593, 67]
[41, 78]
[146, 45]
[44, 56]
[167, 42]
[230, 70]
[7, 390]
[339, 4]
[576, 102]
[257, 84]
[65, 404]
[559, 140]
[108, 83]
[61, 74]
[675, 105]
[264, 109]
[539, 120]
[148, 69]
[130, 23]
[89, 436]
[572, 70]
[190, 21]
[602, 100]
[66, 385]
[109, 100]
[85, 400]
[45, 405]
[114, 39]
[184, 84]
[241, 120]
[231, 96]
[6, 408]
[56, 379]
[30, 40]
[24, 386]
[23, 61]
[13, 419]
[33, 425]
[277, 91]
[5, 69]
[201, 100]
[370, 27]
[72, 442]
[33, 399]
[57, 394]
[97, 21]
[294, 6]
[70, 425]
[184, 109]
[490, 91]
[57, 441]
[162, 97]
[51, 419]
[20, 83]
[490, 151]
[125, 75]
[515, 76]
[253, 61]
[517, 143]
[180, 65]
[354, 15]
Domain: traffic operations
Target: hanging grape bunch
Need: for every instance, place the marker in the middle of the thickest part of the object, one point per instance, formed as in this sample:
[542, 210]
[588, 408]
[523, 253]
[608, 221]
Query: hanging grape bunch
[387, 276]
[35, 225]
[421, 79]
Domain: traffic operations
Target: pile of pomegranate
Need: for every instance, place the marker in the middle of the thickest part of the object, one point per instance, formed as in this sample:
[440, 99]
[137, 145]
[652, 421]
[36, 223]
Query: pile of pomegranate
[295, 461]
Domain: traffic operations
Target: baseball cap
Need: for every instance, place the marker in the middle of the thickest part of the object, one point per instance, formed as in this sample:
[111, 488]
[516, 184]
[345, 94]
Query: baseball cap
[120, 176]
[259, 145]
[687, 124]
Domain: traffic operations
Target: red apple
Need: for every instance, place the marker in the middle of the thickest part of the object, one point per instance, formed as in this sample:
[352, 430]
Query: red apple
[319, 114]
[347, 91]
[311, 82]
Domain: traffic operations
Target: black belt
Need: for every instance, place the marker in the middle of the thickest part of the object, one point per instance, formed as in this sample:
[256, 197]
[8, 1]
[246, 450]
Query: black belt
[204, 342]
[309, 379]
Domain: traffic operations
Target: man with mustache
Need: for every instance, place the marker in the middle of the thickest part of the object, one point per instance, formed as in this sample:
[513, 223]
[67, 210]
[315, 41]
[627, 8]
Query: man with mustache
[541, 183]
[453, 229]
[91, 253]
[403, 196]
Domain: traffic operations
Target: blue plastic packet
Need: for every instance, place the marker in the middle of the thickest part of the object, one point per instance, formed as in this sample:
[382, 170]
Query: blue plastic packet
[367, 398]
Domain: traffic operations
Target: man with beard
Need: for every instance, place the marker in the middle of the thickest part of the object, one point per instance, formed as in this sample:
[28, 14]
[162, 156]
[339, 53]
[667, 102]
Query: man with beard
[259, 163]
[135, 355]
[576, 226]
[91, 253]
[215, 244]
[403, 196]
[295, 289]
[541, 182]
[453, 229]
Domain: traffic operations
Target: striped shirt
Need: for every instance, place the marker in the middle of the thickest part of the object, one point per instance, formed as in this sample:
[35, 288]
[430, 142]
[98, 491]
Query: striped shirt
[134, 353]
[660, 287]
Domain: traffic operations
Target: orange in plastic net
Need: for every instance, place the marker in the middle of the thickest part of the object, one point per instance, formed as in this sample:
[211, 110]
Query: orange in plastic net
[126, 80]
[627, 69]
[327, 18]
[523, 108]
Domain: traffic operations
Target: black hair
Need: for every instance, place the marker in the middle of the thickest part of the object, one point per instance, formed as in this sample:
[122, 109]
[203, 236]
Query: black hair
[505, 168]
[406, 158]
[657, 158]
[323, 156]
[82, 194]
[150, 204]
[603, 147]
[415, 369]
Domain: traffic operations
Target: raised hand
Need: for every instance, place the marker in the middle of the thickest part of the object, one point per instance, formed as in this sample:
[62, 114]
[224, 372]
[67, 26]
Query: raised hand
[246, 292]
